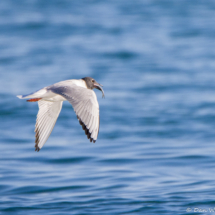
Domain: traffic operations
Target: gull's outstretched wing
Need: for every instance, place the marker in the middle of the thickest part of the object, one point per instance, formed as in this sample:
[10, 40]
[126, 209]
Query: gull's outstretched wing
[86, 107]
[46, 119]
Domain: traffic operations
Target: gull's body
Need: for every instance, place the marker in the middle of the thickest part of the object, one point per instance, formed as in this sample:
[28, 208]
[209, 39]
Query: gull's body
[50, 99]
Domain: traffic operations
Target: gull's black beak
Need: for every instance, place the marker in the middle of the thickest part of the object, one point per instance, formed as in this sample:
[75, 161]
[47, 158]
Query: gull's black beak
[99, 87]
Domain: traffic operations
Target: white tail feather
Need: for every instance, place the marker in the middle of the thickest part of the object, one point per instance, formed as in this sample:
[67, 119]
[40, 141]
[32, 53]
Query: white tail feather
[37, 94]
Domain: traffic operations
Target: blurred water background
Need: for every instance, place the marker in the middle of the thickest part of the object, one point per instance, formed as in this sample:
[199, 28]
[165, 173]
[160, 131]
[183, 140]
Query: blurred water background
[155, 152]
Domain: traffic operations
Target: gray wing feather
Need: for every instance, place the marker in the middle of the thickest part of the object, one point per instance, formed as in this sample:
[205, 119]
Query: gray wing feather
[85, 105]
[46, 119]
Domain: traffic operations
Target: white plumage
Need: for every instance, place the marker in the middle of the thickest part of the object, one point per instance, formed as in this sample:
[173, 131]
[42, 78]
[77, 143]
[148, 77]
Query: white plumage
[81, 96]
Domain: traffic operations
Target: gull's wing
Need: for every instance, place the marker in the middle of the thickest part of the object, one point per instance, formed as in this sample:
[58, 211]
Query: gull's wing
[46, 119]
[86, 107]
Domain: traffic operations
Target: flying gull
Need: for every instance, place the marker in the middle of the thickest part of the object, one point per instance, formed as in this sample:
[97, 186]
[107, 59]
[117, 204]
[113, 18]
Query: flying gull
[50, 99]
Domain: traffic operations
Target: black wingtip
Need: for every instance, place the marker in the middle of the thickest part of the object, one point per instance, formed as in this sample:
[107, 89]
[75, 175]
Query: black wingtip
[37, 149]
[87, 132]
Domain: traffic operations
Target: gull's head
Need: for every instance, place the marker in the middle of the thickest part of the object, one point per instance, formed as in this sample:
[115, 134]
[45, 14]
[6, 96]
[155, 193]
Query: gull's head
[91, 84]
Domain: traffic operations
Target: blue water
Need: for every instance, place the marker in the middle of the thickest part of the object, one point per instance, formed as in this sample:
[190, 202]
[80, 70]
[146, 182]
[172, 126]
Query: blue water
[155, 152]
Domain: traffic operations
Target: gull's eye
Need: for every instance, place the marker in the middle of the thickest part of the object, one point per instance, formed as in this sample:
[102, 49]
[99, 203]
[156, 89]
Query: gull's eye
[93, 80]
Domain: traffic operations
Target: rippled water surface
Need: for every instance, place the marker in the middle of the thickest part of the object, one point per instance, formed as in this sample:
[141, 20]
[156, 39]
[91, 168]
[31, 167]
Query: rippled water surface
[155, 152]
